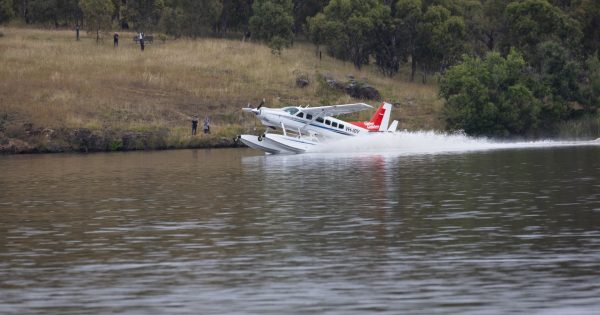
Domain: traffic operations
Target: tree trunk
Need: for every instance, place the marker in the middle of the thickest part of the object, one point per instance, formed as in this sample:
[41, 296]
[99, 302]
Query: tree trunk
[490, 42]
[413, 69]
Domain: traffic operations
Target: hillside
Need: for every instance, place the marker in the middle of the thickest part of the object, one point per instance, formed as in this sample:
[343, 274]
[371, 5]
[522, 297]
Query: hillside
[58, 94]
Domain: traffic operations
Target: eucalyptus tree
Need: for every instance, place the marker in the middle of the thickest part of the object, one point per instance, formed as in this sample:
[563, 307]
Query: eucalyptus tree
[191, 18]
[98, 15]
[532, 22]
[272, 21]
[6, 11]
[587, 14]
[409, 16]
[441, 39]
[57, 12]
[144, 14]
[235, 14]
[350, 27]
[304, 9]
[318, 31]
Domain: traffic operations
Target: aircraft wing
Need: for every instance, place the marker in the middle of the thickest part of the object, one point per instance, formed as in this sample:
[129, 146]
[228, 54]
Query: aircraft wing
[334, 110]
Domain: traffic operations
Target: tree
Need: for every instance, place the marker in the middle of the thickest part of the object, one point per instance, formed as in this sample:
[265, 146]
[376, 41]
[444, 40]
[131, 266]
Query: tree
[42, 11]
[98, 14]
[56, 12]
[588, 14]
[190, 17]
[490, 96]
[351, 27]
[303, 9]
[531, 22]
[441, 39]
[591, 84]
[388, 47]
[144, 13]
[235, 14]
[272, 22]
[318, 31]
[6, 11]
[485, 23]
[409, 15]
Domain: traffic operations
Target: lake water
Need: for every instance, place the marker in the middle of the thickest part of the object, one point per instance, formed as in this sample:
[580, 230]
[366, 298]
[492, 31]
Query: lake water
[514, 230]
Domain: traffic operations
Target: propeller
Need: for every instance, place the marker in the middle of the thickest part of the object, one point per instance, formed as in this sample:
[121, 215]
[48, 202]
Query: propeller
[261, 104]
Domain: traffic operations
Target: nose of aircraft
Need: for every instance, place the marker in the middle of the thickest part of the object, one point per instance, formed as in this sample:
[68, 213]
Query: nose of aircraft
[250, 110]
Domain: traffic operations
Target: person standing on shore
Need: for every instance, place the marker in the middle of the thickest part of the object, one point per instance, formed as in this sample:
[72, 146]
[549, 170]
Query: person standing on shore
[194, 124]
[77, 31]
[142, 40]
[207, 125]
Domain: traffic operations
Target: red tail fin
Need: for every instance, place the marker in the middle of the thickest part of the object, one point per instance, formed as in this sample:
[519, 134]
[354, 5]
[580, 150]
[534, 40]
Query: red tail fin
[378, 116]
[375, 122]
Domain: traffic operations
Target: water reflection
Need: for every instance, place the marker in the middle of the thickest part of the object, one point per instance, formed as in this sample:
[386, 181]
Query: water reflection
[229, 231]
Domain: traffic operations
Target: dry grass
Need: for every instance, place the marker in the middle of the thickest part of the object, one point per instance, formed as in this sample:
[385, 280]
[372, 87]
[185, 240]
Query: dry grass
[50, 80]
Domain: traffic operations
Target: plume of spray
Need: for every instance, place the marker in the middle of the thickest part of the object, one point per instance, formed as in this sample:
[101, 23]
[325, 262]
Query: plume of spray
[431, 142]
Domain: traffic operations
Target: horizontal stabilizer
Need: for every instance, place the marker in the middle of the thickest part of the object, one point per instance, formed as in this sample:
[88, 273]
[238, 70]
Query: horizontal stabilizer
[393, 126]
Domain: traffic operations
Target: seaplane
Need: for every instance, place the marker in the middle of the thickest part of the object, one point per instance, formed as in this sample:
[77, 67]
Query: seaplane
[304, 129]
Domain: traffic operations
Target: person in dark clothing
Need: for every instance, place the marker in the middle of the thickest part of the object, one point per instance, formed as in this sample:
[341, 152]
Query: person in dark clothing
[194, 125]
[77, 31]
[116, 40]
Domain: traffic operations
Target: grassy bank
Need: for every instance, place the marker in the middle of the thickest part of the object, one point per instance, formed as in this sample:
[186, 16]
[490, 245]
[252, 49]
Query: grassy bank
[58, 94]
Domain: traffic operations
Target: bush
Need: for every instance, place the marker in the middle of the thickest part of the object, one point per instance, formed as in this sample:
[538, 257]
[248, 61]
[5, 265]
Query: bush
[490, 96]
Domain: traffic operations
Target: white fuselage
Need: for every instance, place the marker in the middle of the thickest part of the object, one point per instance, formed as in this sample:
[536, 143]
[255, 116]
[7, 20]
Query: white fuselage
[293, 118]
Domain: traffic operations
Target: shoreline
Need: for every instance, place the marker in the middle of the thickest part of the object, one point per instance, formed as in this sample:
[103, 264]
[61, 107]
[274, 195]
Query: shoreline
[83, 140]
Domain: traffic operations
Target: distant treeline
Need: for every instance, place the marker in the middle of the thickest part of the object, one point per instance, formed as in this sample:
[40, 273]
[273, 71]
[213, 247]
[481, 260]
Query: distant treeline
[506, 67]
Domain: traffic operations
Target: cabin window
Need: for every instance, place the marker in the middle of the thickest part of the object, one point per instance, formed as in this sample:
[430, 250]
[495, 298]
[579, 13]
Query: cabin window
[319, 119]
[309, 116]
[327, 122]
[341, 126]
[334, 124]
[300, 114]
[291, 110]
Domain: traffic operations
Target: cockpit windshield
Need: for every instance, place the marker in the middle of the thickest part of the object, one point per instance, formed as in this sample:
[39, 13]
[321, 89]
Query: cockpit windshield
[291, 110]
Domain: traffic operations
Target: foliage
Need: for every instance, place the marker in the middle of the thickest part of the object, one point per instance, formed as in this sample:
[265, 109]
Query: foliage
[272, 22]
[388, 48]
[235, 14]
[317, 30]
[304, 9]
[144, 14]
[57, 12]
[485, 23]
[98, 14]
[409, 16]
[532, 22]
[6, 11]
[350, 27]
[588, 15]
[590, 87]
[491, 96]
[190, 17]
[442, 39]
